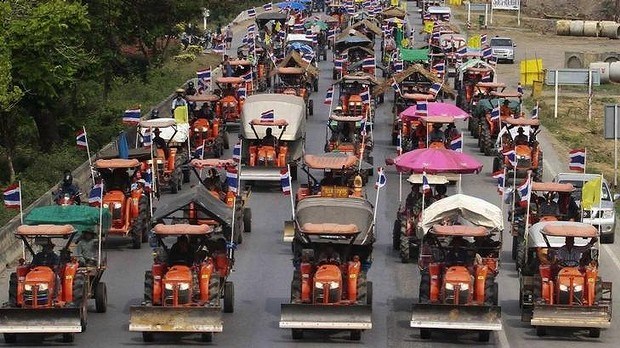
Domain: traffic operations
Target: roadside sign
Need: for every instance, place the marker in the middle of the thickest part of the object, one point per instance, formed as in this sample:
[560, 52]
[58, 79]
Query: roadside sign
[513, 5]
[610, 114]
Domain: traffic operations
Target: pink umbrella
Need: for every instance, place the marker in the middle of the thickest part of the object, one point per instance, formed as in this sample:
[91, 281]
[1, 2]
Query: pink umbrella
[435, 161]
[436, 109]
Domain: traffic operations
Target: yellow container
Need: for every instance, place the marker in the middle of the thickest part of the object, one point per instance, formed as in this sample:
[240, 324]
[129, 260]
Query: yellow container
[474, 42]
[531, 70]
[455, 2]
[537, 87]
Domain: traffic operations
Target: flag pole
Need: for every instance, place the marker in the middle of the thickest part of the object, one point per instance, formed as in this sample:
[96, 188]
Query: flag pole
[374, 213]
[210, 79]
[21, 217]
[100, 225]
[239, 167]
[514, 187]
[423, 196]
[231, 249]
[503, 195]
[90, 162]
[290, 184]
[527, 212]
[153, 172]
[400, 174]
[583, 180]
[202, 155]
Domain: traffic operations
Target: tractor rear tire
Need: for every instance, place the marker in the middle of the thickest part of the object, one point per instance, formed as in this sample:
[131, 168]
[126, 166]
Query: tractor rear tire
[520, 261]
[214, 289]
[296, 287]
[137, 230]
[490, 291]
[310, 107]
[229, 297]
[13, 289]
[405, 247]
[148, 287]
[297, 334]
[68, 337]
[144, 212]
[396, 235]
[485, 140]
[538, 173]
[594, 332]
[425, 287]
[425, 334]
[206, 337]
[247, 220]
[147, 337]
[101, 298]
[541, 331]
[362, 289]
[484, 336]
[10, 338]
[369, 293]
[355, 335]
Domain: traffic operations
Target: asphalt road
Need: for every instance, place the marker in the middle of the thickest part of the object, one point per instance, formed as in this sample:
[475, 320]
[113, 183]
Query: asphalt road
[263, 271]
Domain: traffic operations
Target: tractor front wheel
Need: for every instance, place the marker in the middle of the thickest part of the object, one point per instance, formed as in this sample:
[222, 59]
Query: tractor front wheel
[147, 336]
[148, 287]
[13, 289]
[297, 334]
[396, 235]
[206, 337]
[136, 233]
[405, 247]
[425, 334]
[485, 140]
[484, 336]
[68, 337]
[247, 220]
[229, 297]
[10, 338]
[594, 333]
[355, 335]
[541, 331]
[101, 298]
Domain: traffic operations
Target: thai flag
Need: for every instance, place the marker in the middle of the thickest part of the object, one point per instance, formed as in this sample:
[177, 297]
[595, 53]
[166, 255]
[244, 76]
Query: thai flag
[13, 196]
[398, 65]
[462, 50]
[236, 154]
[252, 12]
[251, 29]
[456, 144]
[421, 108]
[495, 113]
[363, 128]
[440, 67]
[148, 178]
[331, 34]
[199, 152]
[483, 40]
[381, 179]
[493, 62]
[519, 88]
[285, 181]
[525, 190]
[577, 160]
[298, 27]
[425, 186]
[95, 194]
[434, 89]
[329, 97]
[204, 79]
[267, 116]
[487, 53]
[535, 111]
[131, 116]
[221, 48]
[368, 63]
[242, 93]
[338, 64]
[350, 10]
[267, 7]
[147, 138]
[247, 77]
[486, 77]
[511, 155]
[232, 179]
[399, 147]
[501, 177]
[81, 140]
[365, 97]
[307, 57]
[436, 35]
[396, 87]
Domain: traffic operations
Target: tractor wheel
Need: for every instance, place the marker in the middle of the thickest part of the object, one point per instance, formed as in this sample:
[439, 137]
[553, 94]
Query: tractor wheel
[310, 107]
[186, 176]
[10, 338]
[293, 172]
[405, 247]
[515, 241]
[147, 336]
[425, 334]
[137, 230]
[13, 289]
[214, 289]
[297, 334]
[520, 261]
[355, 335]
[396, 235]
[225, 140]
[484, 336]
[490, 291]
[148, 287]
[334, 75]
[541, 331]
[425, 287]
[315, 85]
[174, 187]
[229, 297]
[538, 173]
[68, 337]
[80, 298]
[486, 146]
[206, 337]
[247, 220]
[497, 164]
[594, 333]
[296, 287]
[144, 212]
[362, 289]
[369, 293]
[101, 298]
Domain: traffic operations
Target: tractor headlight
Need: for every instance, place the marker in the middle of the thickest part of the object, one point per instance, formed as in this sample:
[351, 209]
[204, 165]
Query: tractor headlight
[318, 285]
[44, 287]
[196, 130]
[358, 104]
[106, 205]
[117, 205]
[168, 286]
[28, 287]
[449, 286]
[578, 288]
[464, 286]
[563, 287]
[334, 285]
[183, 286]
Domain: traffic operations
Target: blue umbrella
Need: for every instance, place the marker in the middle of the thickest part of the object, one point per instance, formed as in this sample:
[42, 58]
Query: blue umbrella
[292, 5]
[123, 147]
[298, 46]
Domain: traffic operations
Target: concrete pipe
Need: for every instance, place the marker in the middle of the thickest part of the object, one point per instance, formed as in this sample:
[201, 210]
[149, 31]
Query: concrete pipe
[576, 28]
[562, 27]
[603, 69]
[611, 31]
[614, 72]
[573, 60]
[591, 28]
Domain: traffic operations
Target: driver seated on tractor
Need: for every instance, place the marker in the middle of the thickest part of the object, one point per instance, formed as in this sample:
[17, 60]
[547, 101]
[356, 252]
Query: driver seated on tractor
[180, 252]
[436, 135]
[86, 249]
[269, 139]
[413, 197]
[440, 192]
[160, 143]
[504, 110]
[570, 255]
[458, 254]
[485, 246]
[547, 206]
[451, 133]
[68, 187]
[521, 138]
[47, 256]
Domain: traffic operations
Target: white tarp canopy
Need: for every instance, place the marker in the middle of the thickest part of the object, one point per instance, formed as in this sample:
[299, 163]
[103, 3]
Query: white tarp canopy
[536, 240]
[167, 127]
[287, 107]
[467, 210]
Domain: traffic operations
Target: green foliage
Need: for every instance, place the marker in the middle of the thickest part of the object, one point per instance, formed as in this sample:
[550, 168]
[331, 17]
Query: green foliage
[184, 58]
[195, 50]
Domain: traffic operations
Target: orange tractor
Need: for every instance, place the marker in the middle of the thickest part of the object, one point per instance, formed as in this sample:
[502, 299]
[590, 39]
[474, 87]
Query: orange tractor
[349, 135]
[209, 134]
[183, 291]
[561, 291]
[232, 89]
[129, 205]
[519, 136]
[332, 253]
[49, 294]
[490, 126]
[294, 81]
[458, 287]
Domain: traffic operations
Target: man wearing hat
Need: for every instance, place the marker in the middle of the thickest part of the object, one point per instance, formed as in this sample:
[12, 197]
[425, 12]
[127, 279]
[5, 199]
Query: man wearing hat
[160, 143]
[179, 100]
[47, 256]
[504, 110]
[87, 249]
[521, 138]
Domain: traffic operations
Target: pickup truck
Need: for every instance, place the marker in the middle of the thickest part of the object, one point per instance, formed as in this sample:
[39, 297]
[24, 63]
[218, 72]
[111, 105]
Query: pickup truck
[503, 49]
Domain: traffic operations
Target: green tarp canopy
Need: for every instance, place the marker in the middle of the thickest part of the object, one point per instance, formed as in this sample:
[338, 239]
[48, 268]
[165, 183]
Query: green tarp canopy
[81, 217]
[485, 105]
[414, 55]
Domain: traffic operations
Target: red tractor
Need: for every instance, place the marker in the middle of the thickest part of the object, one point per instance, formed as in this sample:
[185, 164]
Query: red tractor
[294, 81]
[519, 136]
[208, 134]
[184, 288]
[233, 93]
[128, 204]
[356, 93]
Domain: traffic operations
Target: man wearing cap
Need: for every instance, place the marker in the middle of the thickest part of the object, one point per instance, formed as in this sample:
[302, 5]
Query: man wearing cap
[47, 256]
[87, 249]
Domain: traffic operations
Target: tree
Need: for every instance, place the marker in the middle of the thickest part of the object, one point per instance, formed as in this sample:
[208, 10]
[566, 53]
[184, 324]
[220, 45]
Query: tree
[46, 39]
